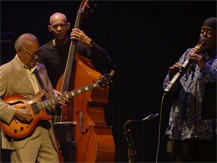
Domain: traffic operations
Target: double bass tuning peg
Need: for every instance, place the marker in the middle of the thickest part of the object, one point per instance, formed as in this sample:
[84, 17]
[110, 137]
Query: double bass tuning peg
[95, 5]
[92, 11]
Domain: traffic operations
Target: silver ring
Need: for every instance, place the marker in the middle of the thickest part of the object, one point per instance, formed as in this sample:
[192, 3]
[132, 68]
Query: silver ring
[76, 35]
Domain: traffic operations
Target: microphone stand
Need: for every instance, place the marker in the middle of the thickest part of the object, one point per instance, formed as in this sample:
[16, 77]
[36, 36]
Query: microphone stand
[131, 149]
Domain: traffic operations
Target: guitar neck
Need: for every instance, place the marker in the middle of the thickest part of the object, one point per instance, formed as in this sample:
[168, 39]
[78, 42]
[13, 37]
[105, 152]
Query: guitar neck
[47, 103]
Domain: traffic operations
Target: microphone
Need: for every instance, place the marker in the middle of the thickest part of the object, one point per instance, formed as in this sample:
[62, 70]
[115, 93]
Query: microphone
[149, 117]
[127, 123]
[188, 62]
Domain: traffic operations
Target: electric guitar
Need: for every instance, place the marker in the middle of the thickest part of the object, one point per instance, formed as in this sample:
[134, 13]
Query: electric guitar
[18, 129]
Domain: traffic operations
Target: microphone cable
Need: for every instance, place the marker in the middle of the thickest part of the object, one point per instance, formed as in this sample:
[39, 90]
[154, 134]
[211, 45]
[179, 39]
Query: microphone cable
[159, 129]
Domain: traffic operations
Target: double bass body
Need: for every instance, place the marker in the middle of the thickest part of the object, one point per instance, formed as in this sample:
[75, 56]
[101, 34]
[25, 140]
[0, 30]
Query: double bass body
[93, 137]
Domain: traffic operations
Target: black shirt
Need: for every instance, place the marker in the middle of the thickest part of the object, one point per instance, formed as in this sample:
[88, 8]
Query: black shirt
[55, 58]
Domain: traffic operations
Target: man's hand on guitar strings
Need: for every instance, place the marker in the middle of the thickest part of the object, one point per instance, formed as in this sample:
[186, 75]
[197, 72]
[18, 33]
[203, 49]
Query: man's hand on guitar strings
[62, 102]
[56, 93]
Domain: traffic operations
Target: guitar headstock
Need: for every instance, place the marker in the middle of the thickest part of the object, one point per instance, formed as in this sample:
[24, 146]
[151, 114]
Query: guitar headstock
[86, 7]
[106, 79]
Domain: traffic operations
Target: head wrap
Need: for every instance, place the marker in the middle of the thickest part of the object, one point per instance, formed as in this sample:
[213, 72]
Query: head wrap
[210, 22]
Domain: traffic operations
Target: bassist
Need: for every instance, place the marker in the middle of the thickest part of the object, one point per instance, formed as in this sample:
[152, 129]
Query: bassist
[54, 57]
[55, 52]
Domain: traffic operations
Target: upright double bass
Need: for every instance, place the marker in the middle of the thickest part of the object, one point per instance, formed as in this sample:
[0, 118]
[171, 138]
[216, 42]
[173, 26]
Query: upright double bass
[94, 139]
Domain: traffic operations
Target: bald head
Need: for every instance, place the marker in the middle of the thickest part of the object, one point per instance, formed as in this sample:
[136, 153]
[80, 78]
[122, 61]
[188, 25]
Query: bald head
[59, 27]
[25, 40]
[27, 47]
[58, 16]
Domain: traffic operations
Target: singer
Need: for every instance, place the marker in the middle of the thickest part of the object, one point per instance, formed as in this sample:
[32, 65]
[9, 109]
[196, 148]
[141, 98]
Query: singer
[193, 139]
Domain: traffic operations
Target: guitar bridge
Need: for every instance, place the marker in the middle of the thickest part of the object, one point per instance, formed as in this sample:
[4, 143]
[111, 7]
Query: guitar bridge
[35, 108]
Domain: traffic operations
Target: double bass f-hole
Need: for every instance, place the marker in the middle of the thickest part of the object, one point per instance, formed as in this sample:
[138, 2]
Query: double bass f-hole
[81, 121]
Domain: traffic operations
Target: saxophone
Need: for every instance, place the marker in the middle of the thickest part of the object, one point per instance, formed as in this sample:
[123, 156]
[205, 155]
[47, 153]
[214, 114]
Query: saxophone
[131, 150]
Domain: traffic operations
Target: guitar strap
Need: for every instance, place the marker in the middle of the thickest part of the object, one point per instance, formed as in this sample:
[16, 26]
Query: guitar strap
[39, 78]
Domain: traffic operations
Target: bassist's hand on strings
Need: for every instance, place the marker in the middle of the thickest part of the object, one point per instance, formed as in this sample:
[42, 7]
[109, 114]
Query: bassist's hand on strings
[62, 102]
[24, 115]
[80, 36]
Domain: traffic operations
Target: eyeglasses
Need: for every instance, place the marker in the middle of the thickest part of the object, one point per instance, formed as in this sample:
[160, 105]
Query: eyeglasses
[33, 54]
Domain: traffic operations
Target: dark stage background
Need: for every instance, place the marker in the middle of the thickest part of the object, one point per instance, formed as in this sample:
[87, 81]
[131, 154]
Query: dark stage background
[143, 38]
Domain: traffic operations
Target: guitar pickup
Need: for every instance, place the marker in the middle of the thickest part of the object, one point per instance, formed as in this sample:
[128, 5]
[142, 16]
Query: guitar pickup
[15, 119]
[35, 108]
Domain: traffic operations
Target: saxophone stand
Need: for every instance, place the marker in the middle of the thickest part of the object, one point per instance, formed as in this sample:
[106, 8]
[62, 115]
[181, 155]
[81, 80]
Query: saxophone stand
[131, 149]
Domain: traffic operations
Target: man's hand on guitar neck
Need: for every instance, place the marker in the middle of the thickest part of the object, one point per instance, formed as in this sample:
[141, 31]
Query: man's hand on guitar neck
[62, 102]
[24, 115]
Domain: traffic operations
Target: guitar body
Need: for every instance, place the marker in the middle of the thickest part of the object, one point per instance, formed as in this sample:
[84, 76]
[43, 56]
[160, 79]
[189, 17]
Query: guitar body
[18, 129]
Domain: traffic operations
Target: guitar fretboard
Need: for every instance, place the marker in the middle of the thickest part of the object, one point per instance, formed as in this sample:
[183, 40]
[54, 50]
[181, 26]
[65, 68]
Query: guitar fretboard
[44, 104]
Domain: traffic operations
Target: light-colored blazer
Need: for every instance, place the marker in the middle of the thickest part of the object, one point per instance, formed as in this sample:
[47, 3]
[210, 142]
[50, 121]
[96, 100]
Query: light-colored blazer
[13, 80]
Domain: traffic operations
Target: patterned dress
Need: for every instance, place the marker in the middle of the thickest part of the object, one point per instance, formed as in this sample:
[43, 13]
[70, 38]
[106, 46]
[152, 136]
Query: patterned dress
[185, 116]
